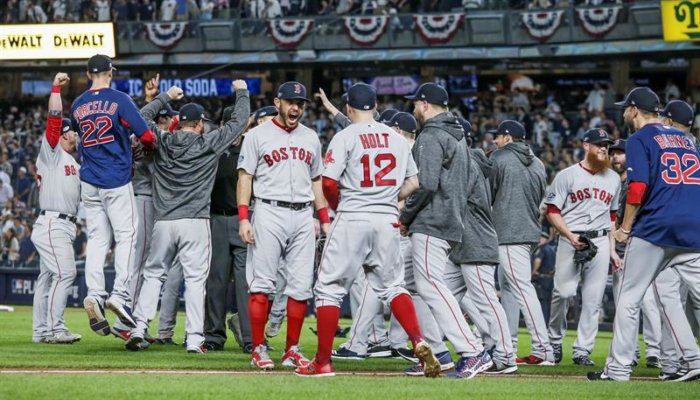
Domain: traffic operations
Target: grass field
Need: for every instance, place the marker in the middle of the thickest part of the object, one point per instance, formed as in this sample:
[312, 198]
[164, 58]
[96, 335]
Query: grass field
[219, 374]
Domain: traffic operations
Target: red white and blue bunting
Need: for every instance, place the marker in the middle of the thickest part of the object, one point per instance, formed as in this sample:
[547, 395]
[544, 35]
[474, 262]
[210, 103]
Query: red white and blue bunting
[288, 33]
[165, 35]
[597, 21]
[366, 30]
[438, 28]
[541, 25]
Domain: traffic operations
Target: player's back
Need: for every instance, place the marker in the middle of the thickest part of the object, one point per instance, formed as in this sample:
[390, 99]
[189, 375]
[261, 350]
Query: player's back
[668, 216]
[102, 118]
[371, 162]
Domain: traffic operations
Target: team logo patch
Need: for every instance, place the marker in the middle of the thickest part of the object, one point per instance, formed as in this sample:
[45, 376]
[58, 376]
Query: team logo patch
[297, 88]
[329, 157]
[240, 159]
[551, 196]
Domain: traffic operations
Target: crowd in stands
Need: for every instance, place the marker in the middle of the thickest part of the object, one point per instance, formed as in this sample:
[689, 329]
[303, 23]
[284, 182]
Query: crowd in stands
[555, 121]
[43, 11]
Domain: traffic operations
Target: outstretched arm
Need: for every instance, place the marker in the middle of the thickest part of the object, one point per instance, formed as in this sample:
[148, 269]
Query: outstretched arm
[54, 120]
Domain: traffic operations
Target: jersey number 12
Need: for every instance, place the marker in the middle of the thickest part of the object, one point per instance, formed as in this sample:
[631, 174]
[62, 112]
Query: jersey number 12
[389, 162]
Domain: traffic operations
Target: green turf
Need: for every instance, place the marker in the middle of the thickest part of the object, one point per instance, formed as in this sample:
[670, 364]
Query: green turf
[95, 352]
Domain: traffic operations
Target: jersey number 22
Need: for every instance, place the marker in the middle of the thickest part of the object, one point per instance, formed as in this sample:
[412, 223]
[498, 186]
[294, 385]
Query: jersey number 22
[102, 125]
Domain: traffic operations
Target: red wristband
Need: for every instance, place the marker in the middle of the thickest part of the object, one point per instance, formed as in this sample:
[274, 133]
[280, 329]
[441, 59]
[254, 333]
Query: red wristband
[323, 215]
[55, 89]
[243, 212]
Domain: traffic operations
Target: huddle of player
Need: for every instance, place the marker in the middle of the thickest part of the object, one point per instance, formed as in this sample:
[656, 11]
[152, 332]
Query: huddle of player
[422, 227]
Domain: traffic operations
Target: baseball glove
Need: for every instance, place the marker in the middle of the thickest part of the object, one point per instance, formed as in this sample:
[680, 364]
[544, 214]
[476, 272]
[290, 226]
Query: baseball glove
[588, 253]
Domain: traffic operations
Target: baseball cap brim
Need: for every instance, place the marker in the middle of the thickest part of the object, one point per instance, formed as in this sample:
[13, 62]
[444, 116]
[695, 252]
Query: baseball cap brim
[411, 97]
[621, 104]
[296, 98]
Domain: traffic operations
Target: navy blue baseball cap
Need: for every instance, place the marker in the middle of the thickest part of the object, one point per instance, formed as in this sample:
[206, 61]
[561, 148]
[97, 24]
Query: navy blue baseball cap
[679, 111]
[167, 111]
[466, 125]
[100, 63]
[361, 96]
[387, 115]
[267, 111]
[510, 127]
[619, 144]
[405, 121]
[432, 93]
[66, 125]
[641, 97]
[192, 112]
[597, 136]
[292, 91]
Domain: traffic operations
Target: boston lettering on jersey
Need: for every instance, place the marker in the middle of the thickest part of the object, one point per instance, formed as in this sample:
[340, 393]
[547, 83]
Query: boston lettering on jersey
[284, 153]
[584, 194]
[374, 140]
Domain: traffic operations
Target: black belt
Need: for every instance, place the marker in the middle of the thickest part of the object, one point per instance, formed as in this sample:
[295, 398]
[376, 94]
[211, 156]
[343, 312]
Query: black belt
[292, 206]
[593, 234]
[142, 195]
[60, 216]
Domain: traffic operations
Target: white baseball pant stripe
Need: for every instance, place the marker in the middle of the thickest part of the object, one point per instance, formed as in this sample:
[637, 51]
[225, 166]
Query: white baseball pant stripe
[643, 262]
[281, 233]
[105, 208]
[667, 292]
[651, 320]
[190, 240]
[170, 300]
[516, 266]
[593, 276]
[430, 264]
[478, 281]
[144, 232]
[53, 239]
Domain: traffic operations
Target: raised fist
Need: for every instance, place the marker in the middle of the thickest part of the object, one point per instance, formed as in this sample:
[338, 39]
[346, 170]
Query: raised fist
[175, 93]
[60, 79]
[239, 84]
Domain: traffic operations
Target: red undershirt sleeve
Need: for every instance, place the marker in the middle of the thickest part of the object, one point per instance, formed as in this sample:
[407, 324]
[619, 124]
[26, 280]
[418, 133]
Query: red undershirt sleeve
[331, 192]
[636, 193]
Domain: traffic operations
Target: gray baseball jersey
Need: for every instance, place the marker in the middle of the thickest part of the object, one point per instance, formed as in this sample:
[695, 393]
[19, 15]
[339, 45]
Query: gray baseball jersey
[60, 181]
[585, 199]
[370, 162]
[282, 163]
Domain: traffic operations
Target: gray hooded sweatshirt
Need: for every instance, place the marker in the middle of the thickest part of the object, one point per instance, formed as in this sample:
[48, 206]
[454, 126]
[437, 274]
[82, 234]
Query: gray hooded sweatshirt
[479, 240]
[518, 186]
[185, 163]
[437, 208]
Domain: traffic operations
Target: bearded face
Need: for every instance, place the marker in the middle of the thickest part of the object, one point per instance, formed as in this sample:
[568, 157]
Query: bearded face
[290, 112]
[597, 156]
[618, 161]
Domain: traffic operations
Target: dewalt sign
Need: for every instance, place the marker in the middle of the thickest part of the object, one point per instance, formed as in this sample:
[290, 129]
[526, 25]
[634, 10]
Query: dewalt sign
[56, 41]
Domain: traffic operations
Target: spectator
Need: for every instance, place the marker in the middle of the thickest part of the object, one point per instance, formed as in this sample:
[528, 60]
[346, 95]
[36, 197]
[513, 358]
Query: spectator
[10, 247]
[27, 251]
[594, 101]
[207, 10]
[22, 185]
[147, 11]
[80, 242]
[344, 6]
[102, 10]
[59, 9]
[36, 14]
[167, 10]
[671, 91]
[543, 271]
[10, 12]
[272, 9]
[6, 194]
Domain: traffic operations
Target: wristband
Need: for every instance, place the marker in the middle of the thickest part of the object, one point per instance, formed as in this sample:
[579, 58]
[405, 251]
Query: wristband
[323, 215]
[243, 212]
[55, 89]
[624, 231]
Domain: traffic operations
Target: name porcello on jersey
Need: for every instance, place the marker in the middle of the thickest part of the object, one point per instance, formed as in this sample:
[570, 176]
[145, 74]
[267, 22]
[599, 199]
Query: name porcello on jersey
[283, 153]
[95, 107]
[584, 194]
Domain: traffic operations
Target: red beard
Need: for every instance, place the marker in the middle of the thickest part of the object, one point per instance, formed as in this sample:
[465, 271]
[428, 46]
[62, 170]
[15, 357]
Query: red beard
[596, 164]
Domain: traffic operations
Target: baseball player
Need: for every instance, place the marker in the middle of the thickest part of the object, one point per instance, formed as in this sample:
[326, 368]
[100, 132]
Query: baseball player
[518, 185]
[434, 216]
[660, 227]
[281, 163]
[668, 288]
[651, 323]
[370, 168]
[582, 203]
[54, 230]
[183, 176]
[103, 117]
[472, 265]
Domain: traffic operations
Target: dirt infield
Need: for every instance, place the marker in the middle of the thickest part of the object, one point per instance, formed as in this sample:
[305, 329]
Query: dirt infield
[366, 374]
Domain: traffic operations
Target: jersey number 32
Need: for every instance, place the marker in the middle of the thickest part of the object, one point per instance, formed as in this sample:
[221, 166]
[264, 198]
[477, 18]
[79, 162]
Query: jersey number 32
[97, 132]
[680, 169]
